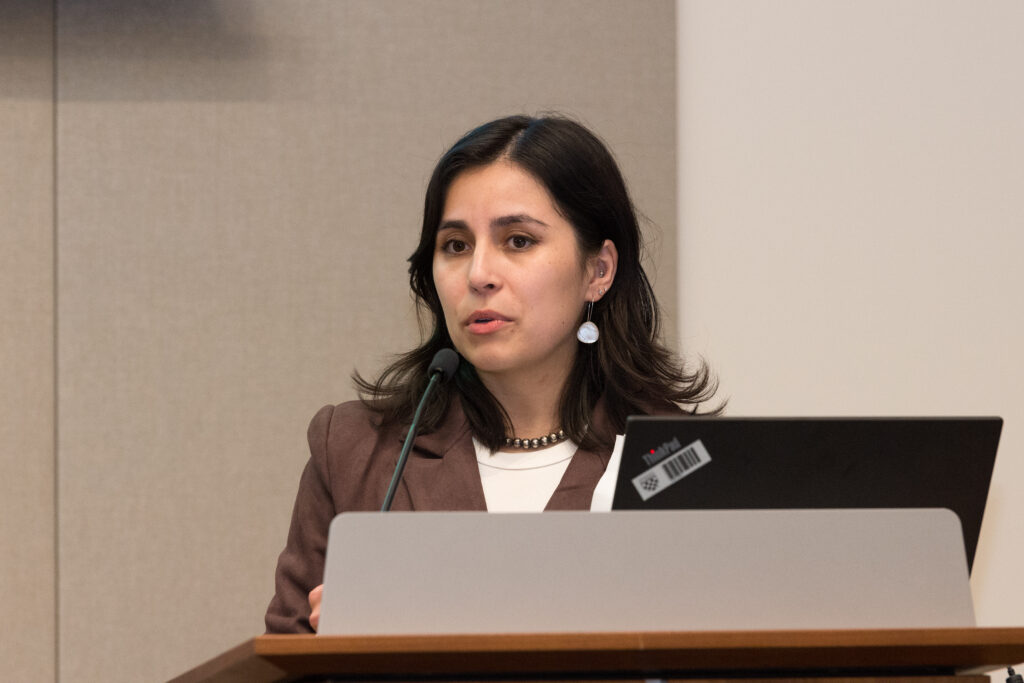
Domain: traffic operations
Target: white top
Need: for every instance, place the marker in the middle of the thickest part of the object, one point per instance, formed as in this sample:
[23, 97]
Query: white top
[521, 480]
[604, 493]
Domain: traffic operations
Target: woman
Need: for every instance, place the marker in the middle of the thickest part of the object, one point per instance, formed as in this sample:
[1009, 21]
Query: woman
[529, 266]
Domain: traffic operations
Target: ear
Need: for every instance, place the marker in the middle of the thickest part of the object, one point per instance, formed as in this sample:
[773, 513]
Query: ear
[601, 270]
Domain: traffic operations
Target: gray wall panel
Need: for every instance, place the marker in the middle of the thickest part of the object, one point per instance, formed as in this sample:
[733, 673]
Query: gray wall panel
[240, 183]
[27, 518]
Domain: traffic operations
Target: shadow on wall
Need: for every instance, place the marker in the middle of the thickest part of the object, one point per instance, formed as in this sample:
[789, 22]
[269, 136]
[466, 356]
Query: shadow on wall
[142, 50]
[26, 49]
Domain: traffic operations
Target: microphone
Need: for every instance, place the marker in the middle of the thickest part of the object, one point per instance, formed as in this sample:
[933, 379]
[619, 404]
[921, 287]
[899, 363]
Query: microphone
[446, 362]
[442, 366]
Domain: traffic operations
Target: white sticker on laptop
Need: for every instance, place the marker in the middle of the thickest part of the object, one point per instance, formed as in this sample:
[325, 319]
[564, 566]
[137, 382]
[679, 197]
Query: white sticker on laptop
[679, 464]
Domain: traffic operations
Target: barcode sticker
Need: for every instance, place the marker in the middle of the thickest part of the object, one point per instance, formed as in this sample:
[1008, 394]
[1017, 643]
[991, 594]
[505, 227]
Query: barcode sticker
[683, 462]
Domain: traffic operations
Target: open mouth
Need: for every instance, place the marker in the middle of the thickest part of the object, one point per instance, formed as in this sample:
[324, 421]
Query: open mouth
[485, 322]
[484, 316]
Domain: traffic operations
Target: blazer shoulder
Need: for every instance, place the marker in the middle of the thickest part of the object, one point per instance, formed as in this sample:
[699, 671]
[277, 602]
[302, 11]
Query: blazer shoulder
[346, 424]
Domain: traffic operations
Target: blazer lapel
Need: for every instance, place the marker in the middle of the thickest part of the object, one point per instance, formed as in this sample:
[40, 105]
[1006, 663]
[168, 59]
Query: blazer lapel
[576, 489]
[442, 473]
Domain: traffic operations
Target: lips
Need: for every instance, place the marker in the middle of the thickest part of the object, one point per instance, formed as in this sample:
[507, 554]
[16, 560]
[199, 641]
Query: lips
[485, 316]
[484, 322]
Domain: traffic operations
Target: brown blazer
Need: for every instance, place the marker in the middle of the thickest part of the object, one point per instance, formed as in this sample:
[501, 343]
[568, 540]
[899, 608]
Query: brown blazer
[350, 466]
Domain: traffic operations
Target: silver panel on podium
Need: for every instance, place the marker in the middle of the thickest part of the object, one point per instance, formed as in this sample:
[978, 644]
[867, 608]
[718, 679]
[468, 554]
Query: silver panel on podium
[670, 570]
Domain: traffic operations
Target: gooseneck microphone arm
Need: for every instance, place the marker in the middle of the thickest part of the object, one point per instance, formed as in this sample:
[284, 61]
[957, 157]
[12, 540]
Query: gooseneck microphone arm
[442, 367]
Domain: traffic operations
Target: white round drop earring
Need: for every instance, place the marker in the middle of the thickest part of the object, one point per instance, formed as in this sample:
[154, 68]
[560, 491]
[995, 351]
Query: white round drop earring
[588, 332]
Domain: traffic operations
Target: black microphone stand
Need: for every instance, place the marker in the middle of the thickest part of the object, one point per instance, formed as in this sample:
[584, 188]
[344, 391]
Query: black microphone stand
[442, 367]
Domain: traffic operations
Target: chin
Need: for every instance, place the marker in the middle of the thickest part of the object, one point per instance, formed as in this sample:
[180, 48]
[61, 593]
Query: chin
[489, 361]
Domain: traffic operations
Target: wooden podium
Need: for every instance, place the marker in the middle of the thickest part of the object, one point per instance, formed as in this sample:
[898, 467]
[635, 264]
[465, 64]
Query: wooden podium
[919, 655]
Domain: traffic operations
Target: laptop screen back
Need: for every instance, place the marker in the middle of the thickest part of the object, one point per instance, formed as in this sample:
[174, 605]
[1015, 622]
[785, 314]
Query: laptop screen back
[714, 463]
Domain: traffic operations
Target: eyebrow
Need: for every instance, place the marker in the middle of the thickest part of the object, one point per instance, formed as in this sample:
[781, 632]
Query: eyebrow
[500, 222]
[516, 218]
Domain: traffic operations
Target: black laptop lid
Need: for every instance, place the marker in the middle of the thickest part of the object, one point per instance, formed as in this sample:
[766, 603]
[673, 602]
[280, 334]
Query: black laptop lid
[712, 463]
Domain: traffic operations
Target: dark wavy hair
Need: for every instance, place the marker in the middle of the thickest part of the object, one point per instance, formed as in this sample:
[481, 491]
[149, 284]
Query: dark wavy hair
[629, 367]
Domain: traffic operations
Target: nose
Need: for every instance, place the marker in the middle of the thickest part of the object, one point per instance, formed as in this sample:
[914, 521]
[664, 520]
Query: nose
[484, 275]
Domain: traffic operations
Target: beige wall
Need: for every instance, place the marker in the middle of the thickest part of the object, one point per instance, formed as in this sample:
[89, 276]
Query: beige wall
[27, 520]
[237, 186]
[852, 221]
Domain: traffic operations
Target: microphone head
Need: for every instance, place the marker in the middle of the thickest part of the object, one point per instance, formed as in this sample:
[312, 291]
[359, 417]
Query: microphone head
[446, 362]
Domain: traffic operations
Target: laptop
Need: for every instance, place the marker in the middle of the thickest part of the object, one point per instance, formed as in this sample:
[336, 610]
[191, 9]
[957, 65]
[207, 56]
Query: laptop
[739, 463]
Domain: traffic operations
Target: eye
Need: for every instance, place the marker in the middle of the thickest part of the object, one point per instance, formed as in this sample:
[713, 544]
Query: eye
[455, 246]
[520, 242]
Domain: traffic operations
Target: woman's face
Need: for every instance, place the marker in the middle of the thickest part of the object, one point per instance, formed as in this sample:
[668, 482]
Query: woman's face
[509, 274]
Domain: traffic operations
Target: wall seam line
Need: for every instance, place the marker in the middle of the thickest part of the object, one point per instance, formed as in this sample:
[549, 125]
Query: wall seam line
[56, 358]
